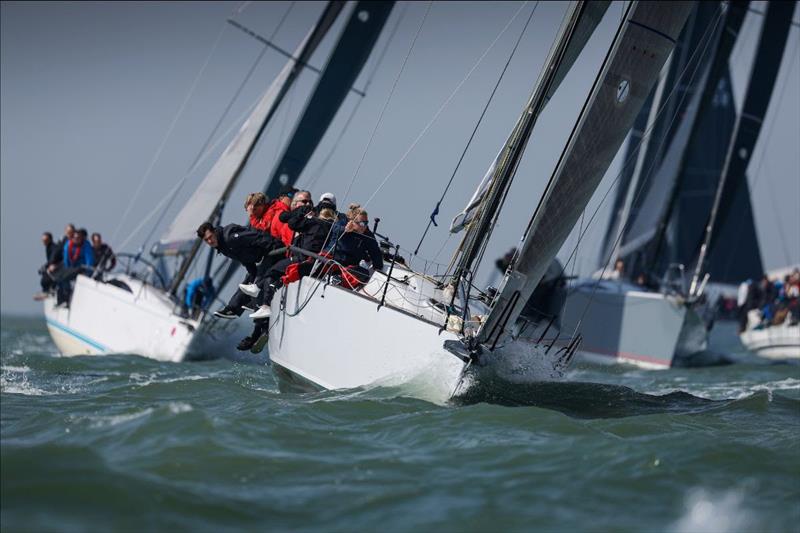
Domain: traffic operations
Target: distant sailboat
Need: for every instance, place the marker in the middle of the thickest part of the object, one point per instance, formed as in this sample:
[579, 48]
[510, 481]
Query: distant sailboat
[138, 310]
[664, 199]
[403, 321]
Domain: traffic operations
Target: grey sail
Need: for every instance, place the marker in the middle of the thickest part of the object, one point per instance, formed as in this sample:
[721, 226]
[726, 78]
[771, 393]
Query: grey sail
[643, 42]
[209, 197]
[588, 16]
[766, 65]
[344, 65]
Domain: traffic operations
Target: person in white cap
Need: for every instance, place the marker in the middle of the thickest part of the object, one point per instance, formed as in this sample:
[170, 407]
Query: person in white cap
[328, 197]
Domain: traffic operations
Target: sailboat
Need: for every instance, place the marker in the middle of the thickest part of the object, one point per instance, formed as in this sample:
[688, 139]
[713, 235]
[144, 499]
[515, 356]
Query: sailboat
[137, 308]
[665, 219]
[404, 322]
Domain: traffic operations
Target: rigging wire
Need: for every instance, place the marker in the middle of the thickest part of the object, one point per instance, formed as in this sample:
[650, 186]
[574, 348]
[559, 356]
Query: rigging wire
[443, 106]
[323, 165]
[388, 99]
[157, 155]
[202, 153]
[435, 212]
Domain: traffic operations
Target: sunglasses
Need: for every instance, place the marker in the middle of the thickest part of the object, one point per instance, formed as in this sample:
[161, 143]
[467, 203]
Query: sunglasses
[362, 223]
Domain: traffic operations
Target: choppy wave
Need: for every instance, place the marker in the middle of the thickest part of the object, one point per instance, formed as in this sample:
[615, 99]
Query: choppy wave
[216, 446]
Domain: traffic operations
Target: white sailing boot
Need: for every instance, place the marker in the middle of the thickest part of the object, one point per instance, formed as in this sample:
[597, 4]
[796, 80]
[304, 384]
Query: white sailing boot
[262, 312]
[250, 289]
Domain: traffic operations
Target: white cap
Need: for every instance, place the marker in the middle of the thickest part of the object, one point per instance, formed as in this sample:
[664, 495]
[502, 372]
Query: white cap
[329, 197]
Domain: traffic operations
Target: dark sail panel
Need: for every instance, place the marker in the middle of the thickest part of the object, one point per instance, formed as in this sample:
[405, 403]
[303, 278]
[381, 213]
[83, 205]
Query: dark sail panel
[760, 86]
[344, 66]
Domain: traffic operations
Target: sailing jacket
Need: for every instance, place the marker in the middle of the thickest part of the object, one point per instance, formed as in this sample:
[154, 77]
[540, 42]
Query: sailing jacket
[279, 229]
[354, 247]
[78, 256]
[243, 244]
[311, 231]
[56, 255]
[104, 255]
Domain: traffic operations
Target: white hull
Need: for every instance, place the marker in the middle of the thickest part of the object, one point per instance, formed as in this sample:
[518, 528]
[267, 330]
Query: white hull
[103, 318]
[337, 339]
[621, 325]
[775, 342]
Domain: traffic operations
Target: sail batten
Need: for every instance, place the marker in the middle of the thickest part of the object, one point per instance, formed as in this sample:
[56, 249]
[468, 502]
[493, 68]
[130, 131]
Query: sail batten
[643, 42]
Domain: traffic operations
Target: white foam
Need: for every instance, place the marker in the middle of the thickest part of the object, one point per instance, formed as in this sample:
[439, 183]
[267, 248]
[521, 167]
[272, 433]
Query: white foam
[714, 512]
[177, 408]
[114, 420]
[17, 369]
[735, 390]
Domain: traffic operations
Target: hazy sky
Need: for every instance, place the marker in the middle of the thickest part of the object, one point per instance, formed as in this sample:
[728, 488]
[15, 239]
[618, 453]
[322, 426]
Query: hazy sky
[89, 91]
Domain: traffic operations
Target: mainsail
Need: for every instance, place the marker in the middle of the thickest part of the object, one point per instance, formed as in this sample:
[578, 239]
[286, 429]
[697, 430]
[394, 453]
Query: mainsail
[645, 39]
[343, 67]
[588, 16]
[766, 64]
[208, 199]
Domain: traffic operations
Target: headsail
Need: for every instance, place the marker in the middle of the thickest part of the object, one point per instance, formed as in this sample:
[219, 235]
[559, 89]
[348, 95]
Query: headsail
[590, 14]
[644, 41]
[212, 192]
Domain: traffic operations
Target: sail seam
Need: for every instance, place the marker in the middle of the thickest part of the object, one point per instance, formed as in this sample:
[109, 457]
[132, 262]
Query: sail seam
[645, 26]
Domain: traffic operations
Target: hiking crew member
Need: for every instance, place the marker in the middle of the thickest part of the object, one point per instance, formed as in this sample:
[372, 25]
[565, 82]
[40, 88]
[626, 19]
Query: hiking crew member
[358, 244]
[103, 254]
[312, 232]
[46, 281]
[78, 257]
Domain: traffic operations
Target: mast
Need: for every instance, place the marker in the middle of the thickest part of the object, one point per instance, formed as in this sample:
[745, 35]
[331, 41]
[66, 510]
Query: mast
[344, 66]
[640, 48]
[766, 65]
[238, 152]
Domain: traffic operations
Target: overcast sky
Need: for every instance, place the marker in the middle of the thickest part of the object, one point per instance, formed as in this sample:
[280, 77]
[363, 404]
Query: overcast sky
[89, 92]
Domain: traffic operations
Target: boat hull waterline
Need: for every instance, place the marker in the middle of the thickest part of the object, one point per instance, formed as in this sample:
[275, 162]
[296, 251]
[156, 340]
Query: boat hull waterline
[645, 329]
[103, 318]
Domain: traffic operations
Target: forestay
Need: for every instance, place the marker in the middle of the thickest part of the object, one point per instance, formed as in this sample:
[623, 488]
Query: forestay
[642, 44]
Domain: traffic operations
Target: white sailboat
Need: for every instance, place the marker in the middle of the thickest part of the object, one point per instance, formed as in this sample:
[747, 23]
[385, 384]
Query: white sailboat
[135, 310]
[405, 322]
[777, 341]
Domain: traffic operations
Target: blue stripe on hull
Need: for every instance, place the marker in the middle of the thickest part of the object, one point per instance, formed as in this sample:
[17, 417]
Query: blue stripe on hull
[80, 337]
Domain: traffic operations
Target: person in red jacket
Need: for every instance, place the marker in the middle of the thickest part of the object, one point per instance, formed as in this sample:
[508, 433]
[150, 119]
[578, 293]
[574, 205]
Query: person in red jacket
[257, 206]
[288, 197]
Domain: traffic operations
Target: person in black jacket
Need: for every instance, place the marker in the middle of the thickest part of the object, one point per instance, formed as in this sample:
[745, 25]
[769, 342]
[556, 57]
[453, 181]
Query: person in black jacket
[46, 281]
[357, 244]
[311, 232]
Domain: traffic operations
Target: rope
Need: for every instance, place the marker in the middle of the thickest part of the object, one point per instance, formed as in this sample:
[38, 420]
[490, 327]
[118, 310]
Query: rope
[435, 212]
[443, 106]
[386, 104]
[157, 155]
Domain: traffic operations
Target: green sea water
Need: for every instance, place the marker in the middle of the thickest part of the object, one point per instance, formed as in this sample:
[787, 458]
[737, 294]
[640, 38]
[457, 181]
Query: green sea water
[129, 444]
